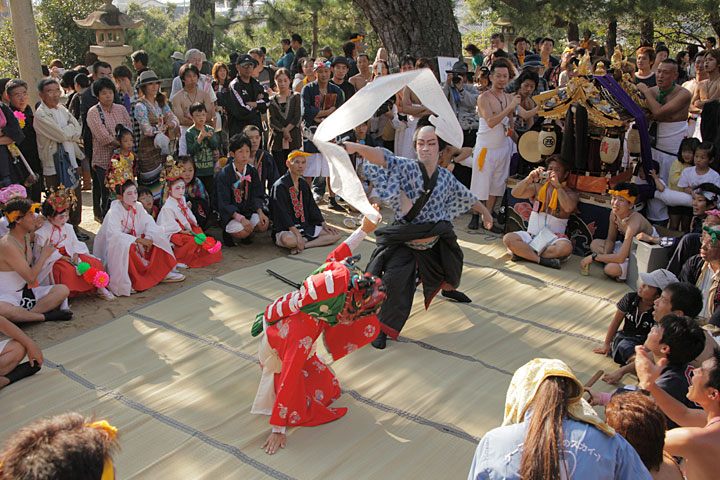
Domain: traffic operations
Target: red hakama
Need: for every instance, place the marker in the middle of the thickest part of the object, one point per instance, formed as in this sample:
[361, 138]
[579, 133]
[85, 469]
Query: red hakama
[147, 269]
[66, 274]
[187, 251]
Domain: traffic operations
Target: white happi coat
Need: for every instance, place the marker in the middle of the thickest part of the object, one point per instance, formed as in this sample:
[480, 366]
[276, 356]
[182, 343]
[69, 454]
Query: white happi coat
[64, 238]
[113, 242]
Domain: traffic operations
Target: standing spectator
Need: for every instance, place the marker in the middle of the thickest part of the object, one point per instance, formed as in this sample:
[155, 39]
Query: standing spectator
[185, 98]
[102, 120]
[477, 57]
[307, 66]
[58, 134]
[497, 42]
[286, 61]
[350, 51]
[126, 92]
[179, 62]
[365, 76]
[82, 83]
[521, 45]
[284, 120]
[661, 54]
[87, 101]
[300, 52]
[263, 74]
[645, 73]
[204, 83]
[154, 117]
[551, 63]
[245, 100]
[357, 39]
[462, 97]
[319, 100]
[202, 145]
[17, 91]
[339, 79]
[326, 52]
[140, 61]
[11, 169]
[221, 83]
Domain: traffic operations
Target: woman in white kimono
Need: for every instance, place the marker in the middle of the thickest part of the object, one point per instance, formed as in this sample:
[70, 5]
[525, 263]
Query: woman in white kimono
[59, 268]
[135, 250]
[179, 224]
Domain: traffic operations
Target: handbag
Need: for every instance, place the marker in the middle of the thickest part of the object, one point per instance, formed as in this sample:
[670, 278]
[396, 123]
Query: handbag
[66, 173]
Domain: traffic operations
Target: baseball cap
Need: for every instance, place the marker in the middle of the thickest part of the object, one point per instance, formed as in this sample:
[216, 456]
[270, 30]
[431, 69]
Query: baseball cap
[659, 278]
[340, 59]
[245, 59]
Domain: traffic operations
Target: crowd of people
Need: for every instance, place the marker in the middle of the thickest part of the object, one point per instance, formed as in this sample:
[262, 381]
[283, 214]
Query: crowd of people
[231, 147]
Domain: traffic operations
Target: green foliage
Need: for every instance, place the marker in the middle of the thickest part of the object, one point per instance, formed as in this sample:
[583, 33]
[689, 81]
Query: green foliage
[160, 35]
[58, 34]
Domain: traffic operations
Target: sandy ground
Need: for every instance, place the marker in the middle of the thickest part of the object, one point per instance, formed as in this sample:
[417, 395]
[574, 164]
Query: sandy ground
[90, 311]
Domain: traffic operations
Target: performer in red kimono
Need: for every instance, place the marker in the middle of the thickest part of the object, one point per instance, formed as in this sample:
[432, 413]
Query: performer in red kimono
[190, 245]
[337, 300]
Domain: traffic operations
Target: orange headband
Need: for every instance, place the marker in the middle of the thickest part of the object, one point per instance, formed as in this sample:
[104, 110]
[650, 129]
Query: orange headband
[624, 194]
[16, 214]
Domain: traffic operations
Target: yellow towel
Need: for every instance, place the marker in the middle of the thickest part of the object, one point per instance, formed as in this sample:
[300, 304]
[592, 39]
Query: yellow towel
[525, 383]
[542, 196]
[481, 159]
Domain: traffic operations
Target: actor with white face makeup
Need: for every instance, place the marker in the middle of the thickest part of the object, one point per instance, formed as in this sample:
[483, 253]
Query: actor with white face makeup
[135, 250]
[60, 267]
[191, 247]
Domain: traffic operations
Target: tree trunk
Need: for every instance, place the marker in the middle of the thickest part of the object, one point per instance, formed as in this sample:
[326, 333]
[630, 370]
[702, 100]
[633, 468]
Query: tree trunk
[200, 26]
[573, 32]
[414, 27]
[647, 32]
[715, 22]
[315, 42]
[611, 36]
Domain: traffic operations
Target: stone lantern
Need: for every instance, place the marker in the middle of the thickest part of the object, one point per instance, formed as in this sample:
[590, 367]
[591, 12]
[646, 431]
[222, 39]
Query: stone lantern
[507, 29]
[109, 24]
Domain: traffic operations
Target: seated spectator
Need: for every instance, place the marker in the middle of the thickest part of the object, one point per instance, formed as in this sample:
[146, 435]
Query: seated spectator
[297, 221]
[635, 313]
[195, 193]
[553, 204]
[654, 209]
[190, 245]
[134, 249]
[703, 270]
[62, 267]
[640, 421]
[697, 439]
[239, 195]
[61, 447]
[21, 299]
[145, 197]
[544, 410]
[692, 177]
[679, 298]
[13, 351]
[625, 224]
[202, 146]
[689, 245]
[263, 162]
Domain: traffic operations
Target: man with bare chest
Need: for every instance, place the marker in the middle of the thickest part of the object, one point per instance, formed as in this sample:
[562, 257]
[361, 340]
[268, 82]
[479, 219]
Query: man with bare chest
[490, 161]
[669, 104]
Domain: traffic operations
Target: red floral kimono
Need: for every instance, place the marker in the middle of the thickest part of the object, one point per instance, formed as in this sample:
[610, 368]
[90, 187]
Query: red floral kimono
[297, 387]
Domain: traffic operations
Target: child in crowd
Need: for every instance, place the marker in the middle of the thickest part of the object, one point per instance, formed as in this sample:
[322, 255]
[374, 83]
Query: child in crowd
[656, 211]
[61, 266]
[297, 221]
[635, 313]
[125, 151]
[181, 227]
[263, 162]
[202, 146]
[145, 197]
[702, 172]
[240, 195]
[681, 215]
[65, 446]
[195, 194]
[135, 250]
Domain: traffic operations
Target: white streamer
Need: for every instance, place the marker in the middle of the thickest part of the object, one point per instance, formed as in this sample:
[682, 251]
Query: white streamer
[360, 108]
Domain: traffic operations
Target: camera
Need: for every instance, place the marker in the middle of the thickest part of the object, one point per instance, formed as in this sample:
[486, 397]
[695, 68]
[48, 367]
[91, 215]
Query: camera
[457, 79]
[544, 174]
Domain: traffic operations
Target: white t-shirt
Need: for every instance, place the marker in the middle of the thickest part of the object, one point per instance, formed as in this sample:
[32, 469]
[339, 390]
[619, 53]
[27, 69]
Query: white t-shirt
[690, 178]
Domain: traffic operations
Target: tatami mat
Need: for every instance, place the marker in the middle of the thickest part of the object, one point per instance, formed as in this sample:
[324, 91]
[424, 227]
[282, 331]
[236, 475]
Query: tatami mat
[178, 375]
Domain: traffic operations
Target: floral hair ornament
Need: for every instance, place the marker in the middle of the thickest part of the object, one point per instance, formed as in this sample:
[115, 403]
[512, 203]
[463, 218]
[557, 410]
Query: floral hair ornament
[708, 195]
[297, 153]
[714, 211]
[108, 472]
[118, 174]
[62, 198]
[624, 194]
[173, 169]
[20, 118]
[321, 62]
[12, 191]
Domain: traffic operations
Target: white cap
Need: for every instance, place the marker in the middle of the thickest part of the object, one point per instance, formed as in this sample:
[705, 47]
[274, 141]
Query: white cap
[660, 278]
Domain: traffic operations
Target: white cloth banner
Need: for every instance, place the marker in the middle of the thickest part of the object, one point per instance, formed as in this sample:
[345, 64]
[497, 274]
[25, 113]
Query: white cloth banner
[361, 107]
